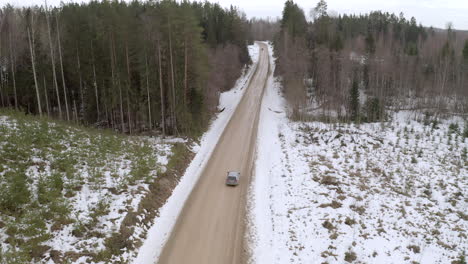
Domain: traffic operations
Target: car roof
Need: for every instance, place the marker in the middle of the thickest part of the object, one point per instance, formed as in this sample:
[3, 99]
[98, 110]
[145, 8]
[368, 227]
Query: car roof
[233, 173]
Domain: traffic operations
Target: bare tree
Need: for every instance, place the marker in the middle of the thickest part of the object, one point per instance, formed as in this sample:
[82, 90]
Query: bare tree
[61, 66]
[52, 57]
[148, 92]
[128, 88]
[13, 69]
[95, 83]
[113, 61]
[80, 84]
[46, 96]
[174, 118]
[161, 89]
[31, 49]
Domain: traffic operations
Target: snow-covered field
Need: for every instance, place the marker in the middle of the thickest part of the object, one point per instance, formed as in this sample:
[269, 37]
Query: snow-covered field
[376, 193]
[66, 190]
[163, 224]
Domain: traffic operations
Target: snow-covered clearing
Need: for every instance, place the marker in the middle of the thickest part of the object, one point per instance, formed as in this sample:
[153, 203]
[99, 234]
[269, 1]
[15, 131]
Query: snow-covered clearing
[66, 190]
[375, 193]
[163, 224]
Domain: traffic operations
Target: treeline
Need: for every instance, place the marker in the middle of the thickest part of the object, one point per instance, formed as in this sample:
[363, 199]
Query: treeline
[128, 66]
[263, 29]
[331, 64]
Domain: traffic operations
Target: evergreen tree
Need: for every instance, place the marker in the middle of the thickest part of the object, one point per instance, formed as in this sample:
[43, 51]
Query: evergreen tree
[121, 64]
[465, 51]
[370, 43]
[354, 101]
[293, 22]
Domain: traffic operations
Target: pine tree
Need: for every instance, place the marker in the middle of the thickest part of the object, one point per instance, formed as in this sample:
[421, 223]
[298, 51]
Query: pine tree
[465, 51]
[114, 57]
[354, 101]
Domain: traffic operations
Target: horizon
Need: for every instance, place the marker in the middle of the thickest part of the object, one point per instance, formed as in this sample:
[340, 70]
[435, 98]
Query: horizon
[430, 13]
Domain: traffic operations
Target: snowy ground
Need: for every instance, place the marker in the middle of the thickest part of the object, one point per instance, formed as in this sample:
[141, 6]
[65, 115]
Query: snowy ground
[374, 193]
[79, 186]
[163, 224]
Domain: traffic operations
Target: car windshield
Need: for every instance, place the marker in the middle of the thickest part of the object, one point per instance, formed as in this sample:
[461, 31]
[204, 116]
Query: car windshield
[232, 178]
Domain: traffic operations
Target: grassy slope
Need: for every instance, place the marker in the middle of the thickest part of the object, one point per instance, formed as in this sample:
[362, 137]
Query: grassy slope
[66, 189]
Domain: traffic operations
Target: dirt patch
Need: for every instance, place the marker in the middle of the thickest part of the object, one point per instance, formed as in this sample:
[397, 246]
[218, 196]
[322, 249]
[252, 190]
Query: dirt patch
[329, 180]
[38, 252]
[333, 204]
[350, 256]
[414, 248]
[56, 256]
[159, 191]
[328, 225]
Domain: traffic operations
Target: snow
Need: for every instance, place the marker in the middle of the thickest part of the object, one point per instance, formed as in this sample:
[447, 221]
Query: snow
[96, 177]
[269, 156]
[389, 193]
[163, 224]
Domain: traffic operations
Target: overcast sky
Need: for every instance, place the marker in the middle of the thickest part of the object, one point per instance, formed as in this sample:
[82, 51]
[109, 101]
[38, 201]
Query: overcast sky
[429, 12]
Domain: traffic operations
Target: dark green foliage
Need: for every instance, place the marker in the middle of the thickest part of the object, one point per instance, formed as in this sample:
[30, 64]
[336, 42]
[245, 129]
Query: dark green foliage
[454, 128]
[412, 49]
[50, 189]
[448, 51]
[354, 101]
[15, 192]
[111, 61]
[365, 76]
[321, 25]
[465, 51]
[293, 21]
[465, 131]
[337, 43]
[374, 110]
[370, 43]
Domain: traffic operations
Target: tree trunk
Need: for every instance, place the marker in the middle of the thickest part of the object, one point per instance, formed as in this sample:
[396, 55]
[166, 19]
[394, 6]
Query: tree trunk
[31, 49]
[129, 120]
[185, 73]
[1, 81]
[53, 62]
[46, 97]
[122, 121]
[95, 85]
[76, 113]
[113, 59]
[161, 89]
[174, 115]
[1, 71]
[12, 60]
[81, 85]
[61, 67]
[1, 89]
[128, 89]
[148, 93]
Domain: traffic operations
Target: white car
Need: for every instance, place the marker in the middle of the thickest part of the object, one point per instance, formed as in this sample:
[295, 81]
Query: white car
[232, 178]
